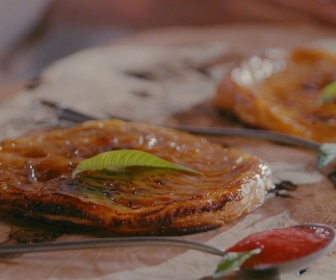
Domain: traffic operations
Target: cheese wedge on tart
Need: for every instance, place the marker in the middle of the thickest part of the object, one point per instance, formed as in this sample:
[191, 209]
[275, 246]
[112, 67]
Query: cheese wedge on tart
[37, 182]
[282, 90]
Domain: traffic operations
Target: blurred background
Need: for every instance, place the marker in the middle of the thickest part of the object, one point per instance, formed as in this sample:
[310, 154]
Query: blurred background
[35, 33]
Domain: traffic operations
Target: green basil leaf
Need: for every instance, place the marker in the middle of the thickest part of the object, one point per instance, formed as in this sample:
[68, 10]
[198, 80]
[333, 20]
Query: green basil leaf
[328, 92]
[327, 154]
[121, 159]
[233, 260]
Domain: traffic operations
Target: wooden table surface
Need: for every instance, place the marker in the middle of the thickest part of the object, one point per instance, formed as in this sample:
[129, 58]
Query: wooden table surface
[168, 77]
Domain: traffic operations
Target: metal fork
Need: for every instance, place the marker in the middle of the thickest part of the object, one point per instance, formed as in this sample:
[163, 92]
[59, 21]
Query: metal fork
[64, 112]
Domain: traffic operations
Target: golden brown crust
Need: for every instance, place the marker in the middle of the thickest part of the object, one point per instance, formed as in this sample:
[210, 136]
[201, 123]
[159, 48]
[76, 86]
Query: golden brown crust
[36, 180]
[282, 92]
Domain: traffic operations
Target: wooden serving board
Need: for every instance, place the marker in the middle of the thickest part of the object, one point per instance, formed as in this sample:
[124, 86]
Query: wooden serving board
[169, 77]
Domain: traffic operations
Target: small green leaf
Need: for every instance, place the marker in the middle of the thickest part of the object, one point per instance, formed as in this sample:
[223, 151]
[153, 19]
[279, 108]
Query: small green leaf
[233, 260]
[328, 92]
[121, 159]
[327, 154]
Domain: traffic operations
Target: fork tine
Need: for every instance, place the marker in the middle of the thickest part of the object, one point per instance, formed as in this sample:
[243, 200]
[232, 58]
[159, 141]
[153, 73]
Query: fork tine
[66, 113]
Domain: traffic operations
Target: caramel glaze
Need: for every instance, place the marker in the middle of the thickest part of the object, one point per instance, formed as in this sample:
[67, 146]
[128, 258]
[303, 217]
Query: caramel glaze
[36, 181]
[286, 100]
